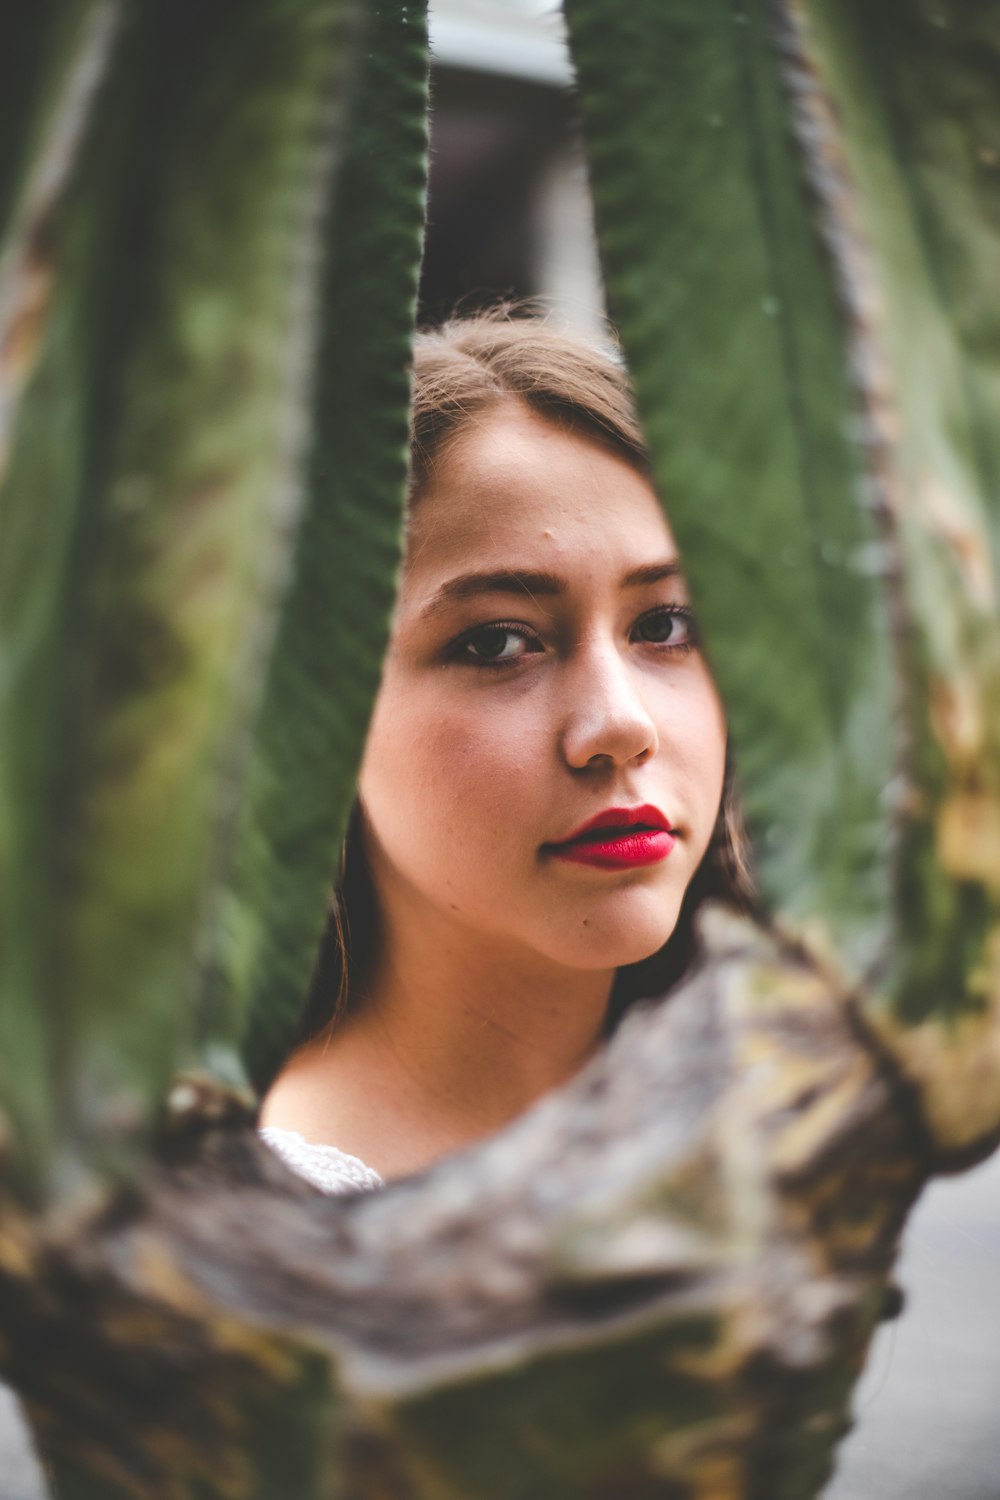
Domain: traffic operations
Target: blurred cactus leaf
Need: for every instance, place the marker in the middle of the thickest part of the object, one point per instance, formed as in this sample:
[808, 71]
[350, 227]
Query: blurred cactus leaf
[722, 293]
[58, 148]
[917, 124]
[799, 213]
[168, 421]
[335, 628]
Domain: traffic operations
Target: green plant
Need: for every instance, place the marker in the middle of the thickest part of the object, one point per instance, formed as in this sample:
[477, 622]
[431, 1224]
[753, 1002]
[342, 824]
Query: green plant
[211, 221]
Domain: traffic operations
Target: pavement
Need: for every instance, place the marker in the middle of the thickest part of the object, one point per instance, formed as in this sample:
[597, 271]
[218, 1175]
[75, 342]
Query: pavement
[20, 1476]
[927, 1408]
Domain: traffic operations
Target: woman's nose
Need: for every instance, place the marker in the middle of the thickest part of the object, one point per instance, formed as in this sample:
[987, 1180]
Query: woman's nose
[607, 721]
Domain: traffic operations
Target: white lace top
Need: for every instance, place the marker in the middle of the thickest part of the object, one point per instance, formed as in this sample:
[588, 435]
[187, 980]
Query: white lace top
[328, 1169]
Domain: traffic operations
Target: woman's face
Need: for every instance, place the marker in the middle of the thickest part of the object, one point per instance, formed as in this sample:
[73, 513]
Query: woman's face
[541, 673]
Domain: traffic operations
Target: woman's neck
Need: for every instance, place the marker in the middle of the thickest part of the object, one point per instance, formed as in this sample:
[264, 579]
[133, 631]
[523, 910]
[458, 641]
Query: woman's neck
[451, 1040]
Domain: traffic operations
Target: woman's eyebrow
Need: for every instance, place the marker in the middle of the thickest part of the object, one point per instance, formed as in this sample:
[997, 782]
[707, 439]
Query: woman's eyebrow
[508, 581]
[652, 573]
[533, 581]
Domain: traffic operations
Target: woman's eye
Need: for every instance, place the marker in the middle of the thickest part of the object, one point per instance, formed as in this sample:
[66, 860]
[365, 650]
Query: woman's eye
[495, 644]
[667, 627]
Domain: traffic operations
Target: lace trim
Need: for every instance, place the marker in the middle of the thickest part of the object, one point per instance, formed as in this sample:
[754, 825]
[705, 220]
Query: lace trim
[326, 1167]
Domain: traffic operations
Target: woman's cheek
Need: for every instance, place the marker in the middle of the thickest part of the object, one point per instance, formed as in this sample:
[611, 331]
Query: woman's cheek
[487, 767]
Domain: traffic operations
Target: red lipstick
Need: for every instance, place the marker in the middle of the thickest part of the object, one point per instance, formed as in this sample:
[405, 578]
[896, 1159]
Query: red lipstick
[622, 838]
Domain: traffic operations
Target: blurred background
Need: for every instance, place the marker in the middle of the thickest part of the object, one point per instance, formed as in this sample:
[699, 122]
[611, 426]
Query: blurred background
[510, 211]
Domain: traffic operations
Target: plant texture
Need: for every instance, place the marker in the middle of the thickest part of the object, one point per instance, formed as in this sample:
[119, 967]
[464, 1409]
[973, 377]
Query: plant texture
[662, 1280]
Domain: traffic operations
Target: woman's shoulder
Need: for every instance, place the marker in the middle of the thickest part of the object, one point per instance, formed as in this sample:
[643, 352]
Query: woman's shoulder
[326, 1167]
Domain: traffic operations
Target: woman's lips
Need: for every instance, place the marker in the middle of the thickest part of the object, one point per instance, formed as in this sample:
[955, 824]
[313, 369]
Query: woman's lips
[619, 839]
[622, 850]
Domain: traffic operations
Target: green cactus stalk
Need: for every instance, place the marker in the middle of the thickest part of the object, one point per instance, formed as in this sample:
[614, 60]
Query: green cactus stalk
[233, 308]
[817, 392]
[663, 1279]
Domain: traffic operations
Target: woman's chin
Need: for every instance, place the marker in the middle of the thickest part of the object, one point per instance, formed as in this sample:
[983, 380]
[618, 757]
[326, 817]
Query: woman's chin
[594, 948]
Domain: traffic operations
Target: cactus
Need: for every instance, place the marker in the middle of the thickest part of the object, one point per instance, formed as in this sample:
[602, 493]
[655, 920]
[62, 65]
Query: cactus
[662, 1280]
[811, 346]
[228, 311]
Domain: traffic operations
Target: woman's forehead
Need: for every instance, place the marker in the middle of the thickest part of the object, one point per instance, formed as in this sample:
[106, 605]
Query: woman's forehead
[514, 490]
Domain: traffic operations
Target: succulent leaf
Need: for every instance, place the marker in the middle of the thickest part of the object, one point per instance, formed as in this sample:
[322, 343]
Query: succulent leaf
[722, 293]
[174, 422]
[335, 627]
[799, 212]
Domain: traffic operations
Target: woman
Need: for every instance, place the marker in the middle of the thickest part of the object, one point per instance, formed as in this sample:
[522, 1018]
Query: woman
[543, 796]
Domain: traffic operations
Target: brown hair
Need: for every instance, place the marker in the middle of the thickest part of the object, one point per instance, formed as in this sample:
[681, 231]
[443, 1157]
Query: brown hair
[460, 370]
